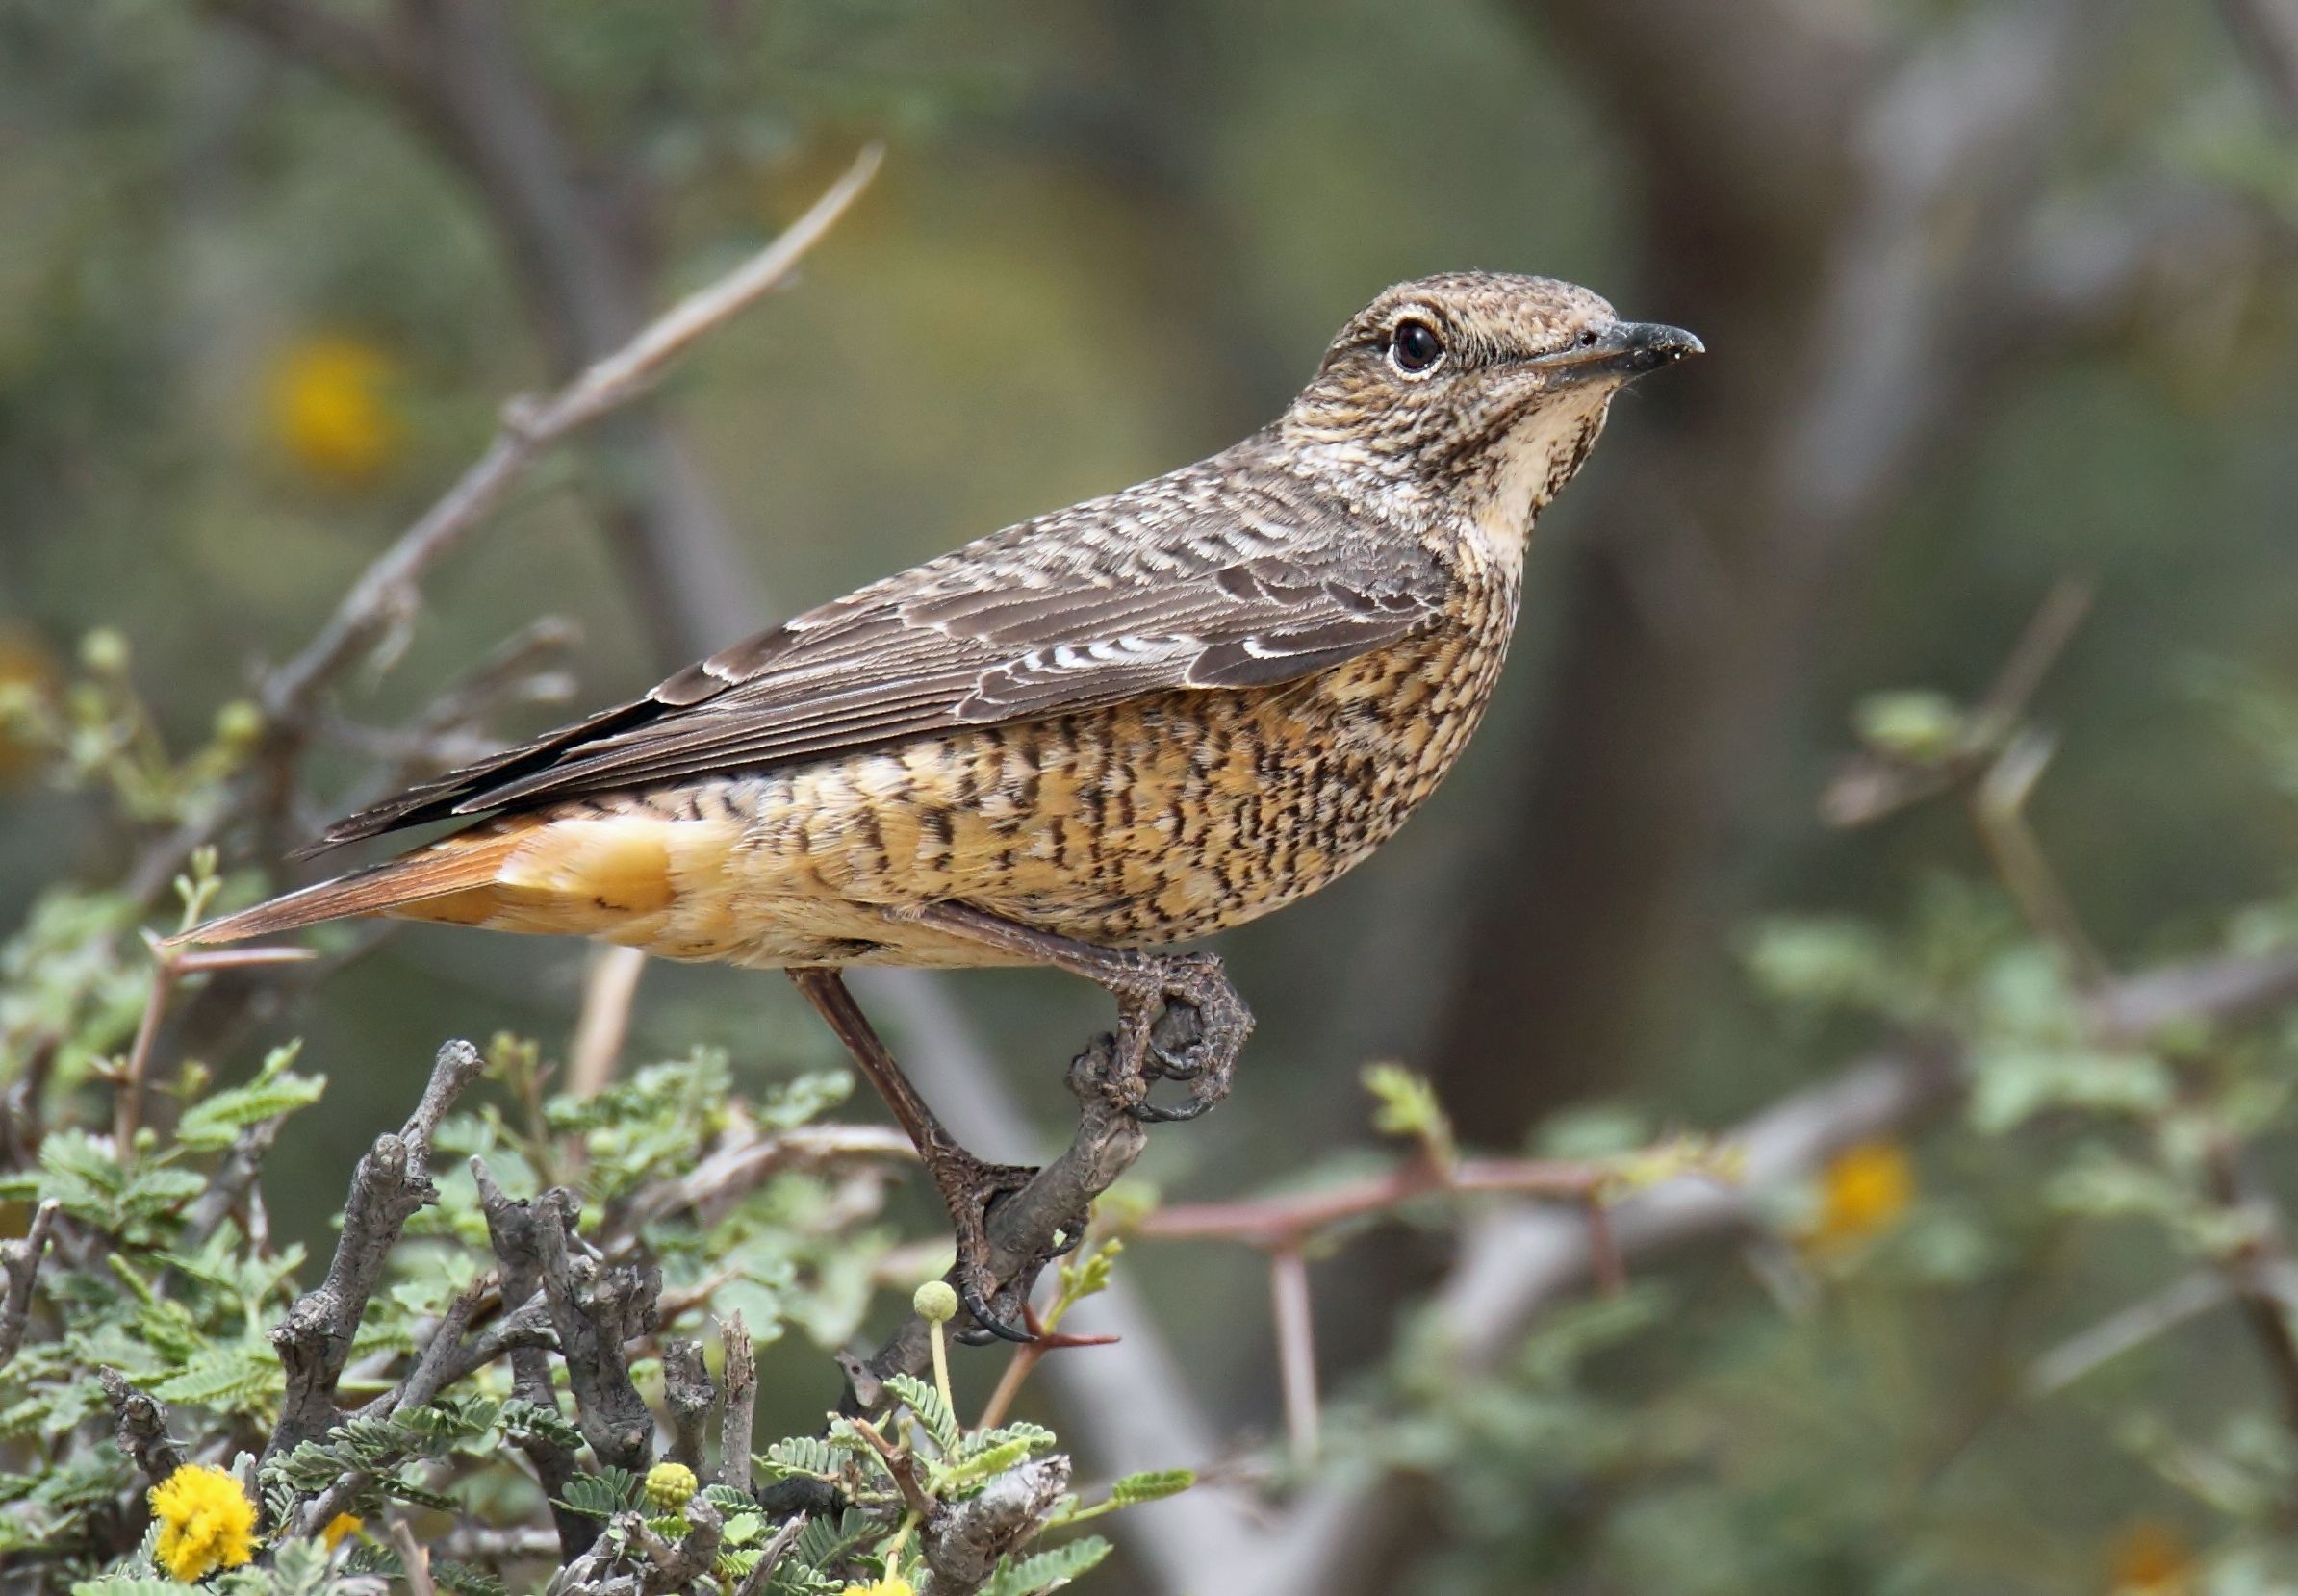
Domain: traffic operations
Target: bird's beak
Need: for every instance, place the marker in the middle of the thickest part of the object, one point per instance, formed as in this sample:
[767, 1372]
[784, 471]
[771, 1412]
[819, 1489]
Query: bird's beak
[1623, 351]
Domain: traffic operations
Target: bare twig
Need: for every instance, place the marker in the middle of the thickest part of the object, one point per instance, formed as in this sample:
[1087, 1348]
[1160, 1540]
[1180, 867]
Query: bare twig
[1022, 1226]
[1296, 1350]
[1998, 809]
[143, 1427]
[687, 1392]
[1876, 783]
[964, 1540]
[234, 1177]
[415, 1557]
[1276, 1223]
[511, 1230]
[20, 1261]
[386, 592]
[2251, 1267]
[392, 1181]
[608, 990]
[741, 1397]
[596, 1308]
[771, 1556]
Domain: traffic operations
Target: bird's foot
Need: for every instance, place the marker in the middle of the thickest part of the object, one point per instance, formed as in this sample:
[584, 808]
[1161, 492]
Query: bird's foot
[970, 1189]
[1180, 1019]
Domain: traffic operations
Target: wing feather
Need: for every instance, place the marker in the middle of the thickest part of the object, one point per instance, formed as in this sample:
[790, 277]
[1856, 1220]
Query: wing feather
[1188, 582]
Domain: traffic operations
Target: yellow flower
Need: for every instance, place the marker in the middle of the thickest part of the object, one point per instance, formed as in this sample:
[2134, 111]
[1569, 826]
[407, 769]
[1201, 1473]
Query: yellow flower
[883, 1587]
[669, 1486]
[340, 1528]
[330, 408]
[2149, 1559]
[206, 1522]
[1863, 1191]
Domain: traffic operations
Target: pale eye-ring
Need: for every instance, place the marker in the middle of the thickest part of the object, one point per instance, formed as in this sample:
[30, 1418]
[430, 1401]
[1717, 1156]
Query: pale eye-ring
[1414, 347]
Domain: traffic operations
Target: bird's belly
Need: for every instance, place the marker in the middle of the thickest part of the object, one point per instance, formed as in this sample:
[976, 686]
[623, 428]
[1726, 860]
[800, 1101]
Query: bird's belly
[1156, 821]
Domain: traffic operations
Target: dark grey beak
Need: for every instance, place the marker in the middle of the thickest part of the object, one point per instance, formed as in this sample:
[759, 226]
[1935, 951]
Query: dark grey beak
[1623, 351]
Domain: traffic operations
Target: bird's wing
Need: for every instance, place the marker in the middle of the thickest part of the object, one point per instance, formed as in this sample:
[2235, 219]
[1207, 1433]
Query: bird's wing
[1189, 582]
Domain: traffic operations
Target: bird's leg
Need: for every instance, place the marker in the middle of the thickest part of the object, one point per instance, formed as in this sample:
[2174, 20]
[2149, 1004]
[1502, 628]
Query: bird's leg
[1158, 995]
[968, 1186]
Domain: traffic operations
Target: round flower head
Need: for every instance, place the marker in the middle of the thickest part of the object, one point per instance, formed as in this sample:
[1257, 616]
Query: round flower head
[206, 1522]
[669, 1486]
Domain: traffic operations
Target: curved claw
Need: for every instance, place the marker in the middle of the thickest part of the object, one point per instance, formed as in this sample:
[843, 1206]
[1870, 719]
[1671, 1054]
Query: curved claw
[987, 1318]
[1186, 1063]
[1158, 1114]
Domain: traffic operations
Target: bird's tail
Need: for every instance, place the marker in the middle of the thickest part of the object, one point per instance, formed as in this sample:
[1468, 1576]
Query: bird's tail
[438, 883]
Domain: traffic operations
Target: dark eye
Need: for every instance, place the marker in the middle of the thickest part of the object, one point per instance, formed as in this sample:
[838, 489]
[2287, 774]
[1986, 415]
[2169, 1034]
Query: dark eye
[1414, 347]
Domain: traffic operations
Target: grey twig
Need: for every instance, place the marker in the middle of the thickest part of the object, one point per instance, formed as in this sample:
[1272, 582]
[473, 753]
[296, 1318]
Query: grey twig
[741, 1396]
[674, 1566]
[382, 597]
[964, 1540]
[414, 1559]
[596, 1308]
[228, 1187]
[688, 1393]
[512, 1231]
[20, 1261]
[771, 1556]
[143, 1427]
[392, 1181]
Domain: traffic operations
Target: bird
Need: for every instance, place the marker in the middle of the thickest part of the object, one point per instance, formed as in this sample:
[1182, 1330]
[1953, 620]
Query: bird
[1080, 742]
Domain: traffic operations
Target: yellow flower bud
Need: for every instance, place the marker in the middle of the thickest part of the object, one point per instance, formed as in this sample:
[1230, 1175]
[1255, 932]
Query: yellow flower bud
[669, 1486]
[935, 1303]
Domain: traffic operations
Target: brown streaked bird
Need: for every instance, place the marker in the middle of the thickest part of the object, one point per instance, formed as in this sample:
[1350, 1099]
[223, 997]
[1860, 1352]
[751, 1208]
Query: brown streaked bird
[1109, 729]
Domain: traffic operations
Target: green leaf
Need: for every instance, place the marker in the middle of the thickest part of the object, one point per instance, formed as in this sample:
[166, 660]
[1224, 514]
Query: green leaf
[211, 1124]
[1406, 1106]
[1043, 1571]
[934, 1413]
[1151, 1486]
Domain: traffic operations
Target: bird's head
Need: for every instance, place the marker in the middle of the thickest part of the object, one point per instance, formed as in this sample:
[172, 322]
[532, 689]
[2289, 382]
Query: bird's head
[1474, 394]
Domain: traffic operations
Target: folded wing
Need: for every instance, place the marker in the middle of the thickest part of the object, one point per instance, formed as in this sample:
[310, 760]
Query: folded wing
[1172, 585]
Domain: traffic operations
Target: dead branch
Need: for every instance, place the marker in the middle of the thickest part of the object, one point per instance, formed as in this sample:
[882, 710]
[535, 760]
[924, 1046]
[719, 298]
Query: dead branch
[143, 1427]
[20, 1261]
[964, 1540]
[741, 1398]
[392, 1181]
[596, 1308]
[688, 1391]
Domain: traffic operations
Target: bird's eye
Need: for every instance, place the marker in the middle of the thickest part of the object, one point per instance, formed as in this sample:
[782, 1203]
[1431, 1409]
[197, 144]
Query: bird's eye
[1414, 347]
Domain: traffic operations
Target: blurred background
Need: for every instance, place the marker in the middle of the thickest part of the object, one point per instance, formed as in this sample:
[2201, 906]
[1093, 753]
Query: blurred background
[1997, 296]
